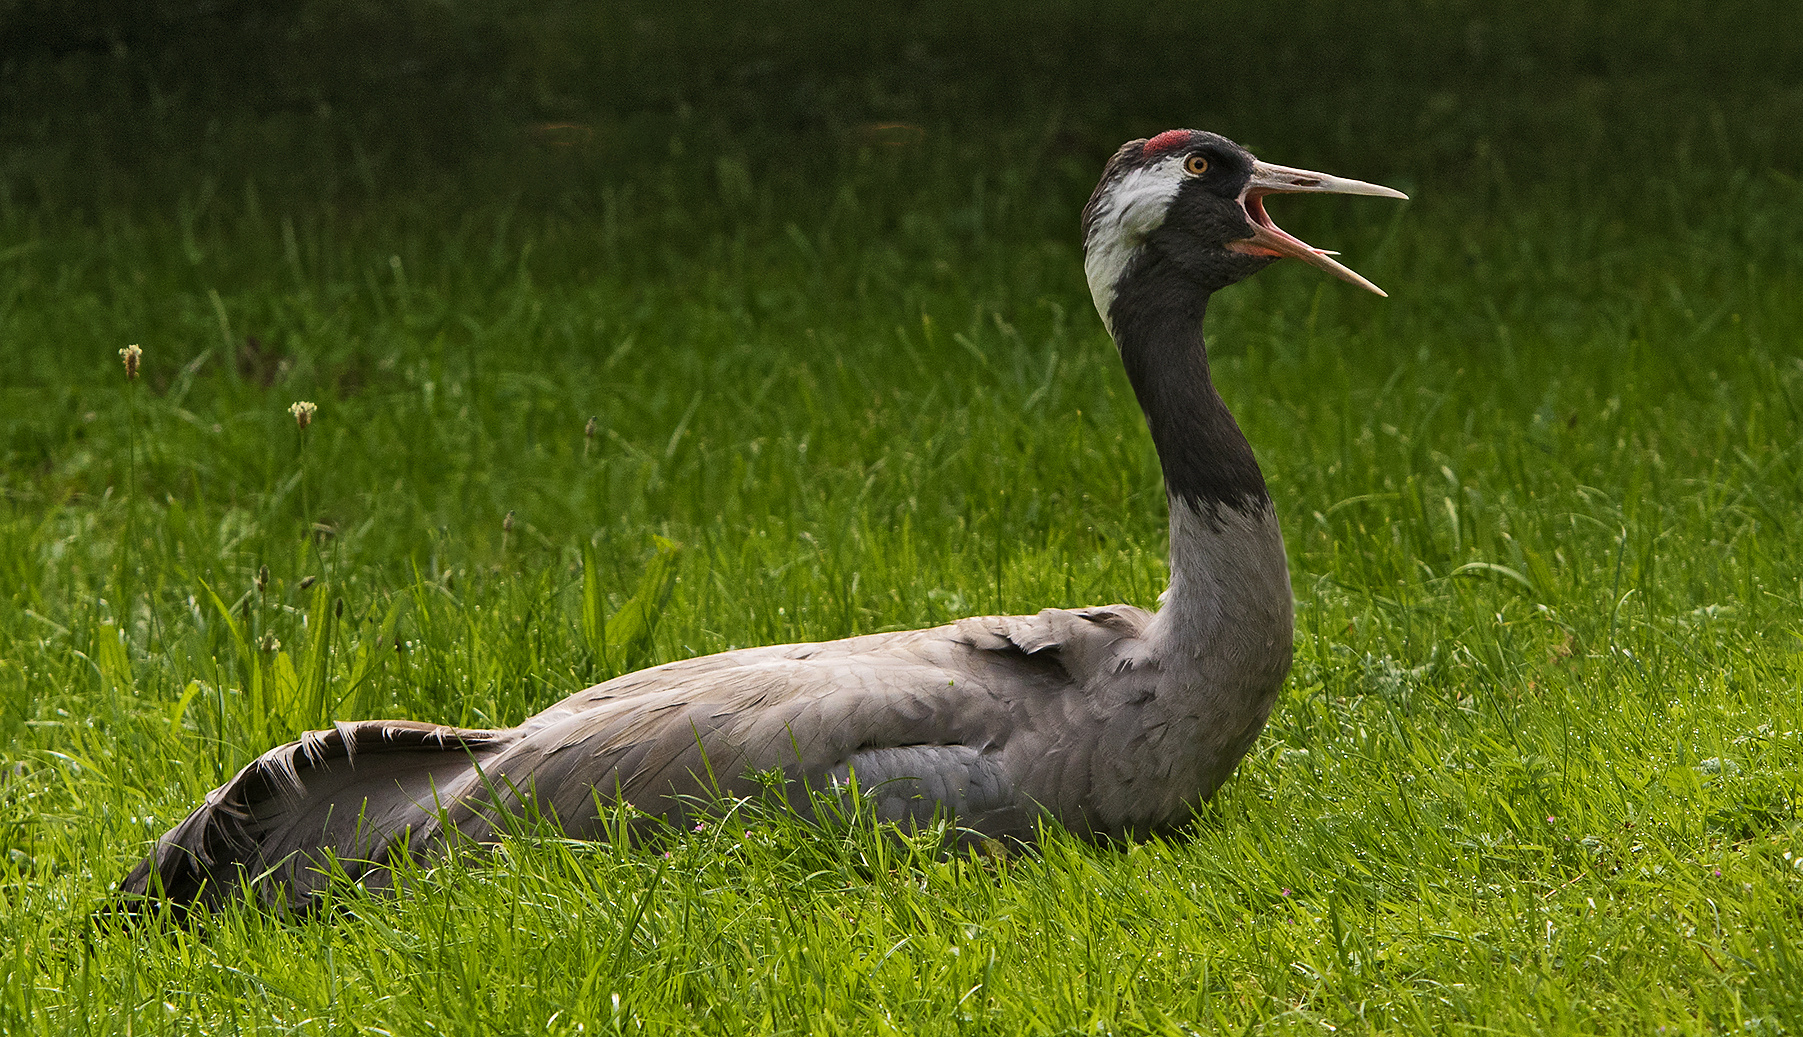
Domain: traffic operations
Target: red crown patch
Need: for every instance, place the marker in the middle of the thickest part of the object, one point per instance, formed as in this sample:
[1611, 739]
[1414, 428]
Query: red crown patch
[1169, 140]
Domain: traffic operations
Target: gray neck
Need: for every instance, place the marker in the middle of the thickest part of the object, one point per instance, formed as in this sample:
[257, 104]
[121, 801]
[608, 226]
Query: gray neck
[1226, 617]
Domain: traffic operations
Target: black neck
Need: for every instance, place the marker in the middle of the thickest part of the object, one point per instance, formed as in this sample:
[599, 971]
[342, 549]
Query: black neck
[1157, 317]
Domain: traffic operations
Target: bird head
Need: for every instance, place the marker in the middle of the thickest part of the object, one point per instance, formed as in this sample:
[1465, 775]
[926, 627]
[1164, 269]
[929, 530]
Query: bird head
[1195, 201]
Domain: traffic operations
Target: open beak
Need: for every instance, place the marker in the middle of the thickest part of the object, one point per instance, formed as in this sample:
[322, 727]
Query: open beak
[1268, 239]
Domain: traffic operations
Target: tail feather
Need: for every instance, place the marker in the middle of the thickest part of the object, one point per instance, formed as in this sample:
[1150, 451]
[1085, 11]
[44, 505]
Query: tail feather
[356, 793]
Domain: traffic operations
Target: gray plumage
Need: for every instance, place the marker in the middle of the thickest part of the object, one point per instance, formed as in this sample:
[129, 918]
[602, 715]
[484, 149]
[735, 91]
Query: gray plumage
[1111, 721]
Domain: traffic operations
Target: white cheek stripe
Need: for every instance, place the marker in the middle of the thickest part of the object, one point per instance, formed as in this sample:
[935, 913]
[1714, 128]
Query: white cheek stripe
[1134, 208]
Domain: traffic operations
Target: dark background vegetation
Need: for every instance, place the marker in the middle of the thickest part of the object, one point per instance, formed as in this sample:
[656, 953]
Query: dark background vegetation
[417, 89]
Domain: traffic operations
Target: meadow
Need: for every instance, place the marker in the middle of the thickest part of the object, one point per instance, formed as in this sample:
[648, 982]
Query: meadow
[617, 390]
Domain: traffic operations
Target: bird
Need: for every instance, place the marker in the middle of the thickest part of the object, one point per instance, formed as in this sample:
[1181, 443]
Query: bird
[1112, 722]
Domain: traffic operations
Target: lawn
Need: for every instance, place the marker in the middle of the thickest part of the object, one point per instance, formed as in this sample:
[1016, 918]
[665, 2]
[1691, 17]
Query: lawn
[1537, 768]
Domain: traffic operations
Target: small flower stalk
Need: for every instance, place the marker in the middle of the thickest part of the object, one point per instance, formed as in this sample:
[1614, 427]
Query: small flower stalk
[303, 411]
[131, 356]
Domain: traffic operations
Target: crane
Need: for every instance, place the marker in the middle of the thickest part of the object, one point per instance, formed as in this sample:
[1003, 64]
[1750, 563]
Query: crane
[1111, 721]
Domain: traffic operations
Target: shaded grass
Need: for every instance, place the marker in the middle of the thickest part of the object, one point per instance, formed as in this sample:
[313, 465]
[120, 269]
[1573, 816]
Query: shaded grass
[1537, 768]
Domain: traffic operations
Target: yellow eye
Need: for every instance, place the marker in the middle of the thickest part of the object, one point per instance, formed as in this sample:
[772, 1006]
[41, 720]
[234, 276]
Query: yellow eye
[1195, 165]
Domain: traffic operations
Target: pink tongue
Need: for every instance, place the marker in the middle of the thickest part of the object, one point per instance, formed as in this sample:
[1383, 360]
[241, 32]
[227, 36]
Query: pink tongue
[1252, 250]
[1255, 207]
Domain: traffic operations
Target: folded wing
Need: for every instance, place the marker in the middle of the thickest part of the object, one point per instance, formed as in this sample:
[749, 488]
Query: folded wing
[986, 722]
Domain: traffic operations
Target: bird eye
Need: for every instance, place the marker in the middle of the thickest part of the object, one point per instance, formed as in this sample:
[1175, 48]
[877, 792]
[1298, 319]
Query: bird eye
[1195, 165]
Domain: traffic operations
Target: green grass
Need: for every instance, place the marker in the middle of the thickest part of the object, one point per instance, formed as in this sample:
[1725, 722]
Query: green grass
[1539, 764]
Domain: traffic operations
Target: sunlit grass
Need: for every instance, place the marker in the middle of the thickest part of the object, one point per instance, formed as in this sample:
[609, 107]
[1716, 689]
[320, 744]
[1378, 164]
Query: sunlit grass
[1537, 768]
